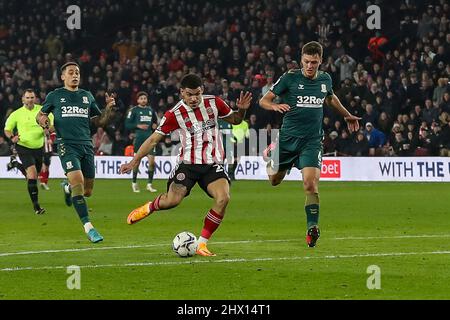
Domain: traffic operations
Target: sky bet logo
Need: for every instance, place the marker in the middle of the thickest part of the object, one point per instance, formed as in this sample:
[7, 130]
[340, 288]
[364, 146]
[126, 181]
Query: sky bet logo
[331, 169]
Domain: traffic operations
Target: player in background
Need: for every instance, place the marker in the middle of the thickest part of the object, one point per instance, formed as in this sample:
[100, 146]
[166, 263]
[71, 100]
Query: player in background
[29, 142]
[303, 93]
[49, 138]
[143, 120]
[201, 155]
[73, 108]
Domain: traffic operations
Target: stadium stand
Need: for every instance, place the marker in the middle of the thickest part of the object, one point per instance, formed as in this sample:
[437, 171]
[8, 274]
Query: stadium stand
[397, 78]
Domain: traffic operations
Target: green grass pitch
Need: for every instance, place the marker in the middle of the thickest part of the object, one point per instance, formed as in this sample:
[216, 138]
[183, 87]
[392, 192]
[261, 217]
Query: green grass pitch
[403, 228]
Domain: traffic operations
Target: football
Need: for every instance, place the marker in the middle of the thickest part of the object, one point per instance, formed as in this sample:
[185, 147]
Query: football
[185, 244]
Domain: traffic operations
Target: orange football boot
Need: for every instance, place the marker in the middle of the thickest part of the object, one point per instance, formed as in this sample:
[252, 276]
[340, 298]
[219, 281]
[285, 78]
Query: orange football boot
[203, 250]
[139, 213]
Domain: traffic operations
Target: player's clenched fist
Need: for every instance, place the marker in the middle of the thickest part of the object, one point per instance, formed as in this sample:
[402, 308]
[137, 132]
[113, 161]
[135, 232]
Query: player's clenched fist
[43, 121]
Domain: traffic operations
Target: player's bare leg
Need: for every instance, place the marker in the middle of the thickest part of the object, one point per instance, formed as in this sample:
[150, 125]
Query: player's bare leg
[151, 172]
[88, 187]
[220, 191]
[43, 177]
[311, 176]
[33, 189]
[275, 175]
[79, 189]
[134, 184]
[164, 201]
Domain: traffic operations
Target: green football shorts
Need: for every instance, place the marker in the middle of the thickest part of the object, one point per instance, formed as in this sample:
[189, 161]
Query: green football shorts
[77, 157]
[297, 152]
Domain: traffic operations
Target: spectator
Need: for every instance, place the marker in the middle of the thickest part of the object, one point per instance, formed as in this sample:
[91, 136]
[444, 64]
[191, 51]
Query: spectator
[344, 144]
[430, 113]
[329, 144]
[167, 147]
[424, 146]
[411, 143]
[360, 145]
[445, 104]
[102, 143]
[370, 116]
[375, 139]
[438, 93]
[384, 123]
[125, 59]
[4, 147]
[54, 46]
[445, 130]
[436, 139]
[346, 64]
[396, 128]
[119, 144]
[375, 45]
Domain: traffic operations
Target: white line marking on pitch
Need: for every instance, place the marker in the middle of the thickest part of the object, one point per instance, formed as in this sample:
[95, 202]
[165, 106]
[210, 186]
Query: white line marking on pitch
[397, 237]
[8, 254]
[149, 264]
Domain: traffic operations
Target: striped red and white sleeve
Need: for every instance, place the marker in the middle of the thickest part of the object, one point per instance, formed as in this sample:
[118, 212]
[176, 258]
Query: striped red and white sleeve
[223, 108]
[168, 123]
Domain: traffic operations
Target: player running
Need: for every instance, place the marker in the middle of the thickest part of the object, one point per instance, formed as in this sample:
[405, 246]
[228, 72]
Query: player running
[142, 119]
[48, 152]
[201, 156]
[303, 92]
[29, 142]
[73, 108]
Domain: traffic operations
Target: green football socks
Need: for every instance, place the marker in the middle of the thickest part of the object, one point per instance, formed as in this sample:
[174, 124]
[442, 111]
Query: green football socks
[312, 209]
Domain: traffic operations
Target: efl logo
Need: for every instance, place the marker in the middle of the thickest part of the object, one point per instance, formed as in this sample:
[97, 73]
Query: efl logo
[331, 169]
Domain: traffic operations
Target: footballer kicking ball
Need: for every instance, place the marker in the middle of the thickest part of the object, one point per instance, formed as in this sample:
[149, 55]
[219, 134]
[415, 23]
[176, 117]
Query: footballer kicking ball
[185, 244]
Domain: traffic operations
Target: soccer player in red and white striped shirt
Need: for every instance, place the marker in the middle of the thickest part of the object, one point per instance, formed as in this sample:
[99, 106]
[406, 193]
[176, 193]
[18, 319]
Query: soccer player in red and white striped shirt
[201, 156]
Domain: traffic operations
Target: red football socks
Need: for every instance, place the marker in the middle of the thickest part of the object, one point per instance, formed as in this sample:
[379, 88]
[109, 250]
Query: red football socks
[212, 222]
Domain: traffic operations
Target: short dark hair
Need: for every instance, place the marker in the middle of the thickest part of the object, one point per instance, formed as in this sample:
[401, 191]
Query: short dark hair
[70, 63]
[191, 81]
[28, 90]
[141, 93]
[312, 48]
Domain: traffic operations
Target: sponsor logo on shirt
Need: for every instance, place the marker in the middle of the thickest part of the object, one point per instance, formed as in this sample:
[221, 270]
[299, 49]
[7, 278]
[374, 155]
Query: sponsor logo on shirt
[146, 119]
[202, 126]
[309, 101]
[74, 111]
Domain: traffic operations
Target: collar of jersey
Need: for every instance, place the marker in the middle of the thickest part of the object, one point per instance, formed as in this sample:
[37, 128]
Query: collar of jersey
[315, 77]
[189, 107]
[34, 107]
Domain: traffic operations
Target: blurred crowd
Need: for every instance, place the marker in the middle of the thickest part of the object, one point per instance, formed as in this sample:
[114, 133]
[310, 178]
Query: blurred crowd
[396, 78]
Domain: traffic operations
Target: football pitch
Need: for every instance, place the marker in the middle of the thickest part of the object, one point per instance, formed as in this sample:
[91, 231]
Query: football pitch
[400, 230]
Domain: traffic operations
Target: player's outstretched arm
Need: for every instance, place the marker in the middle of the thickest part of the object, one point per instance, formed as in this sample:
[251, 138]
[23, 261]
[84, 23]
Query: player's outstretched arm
[107, 113]
[143, 151]
[352, 121]
[266, 102]
[243, 103]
